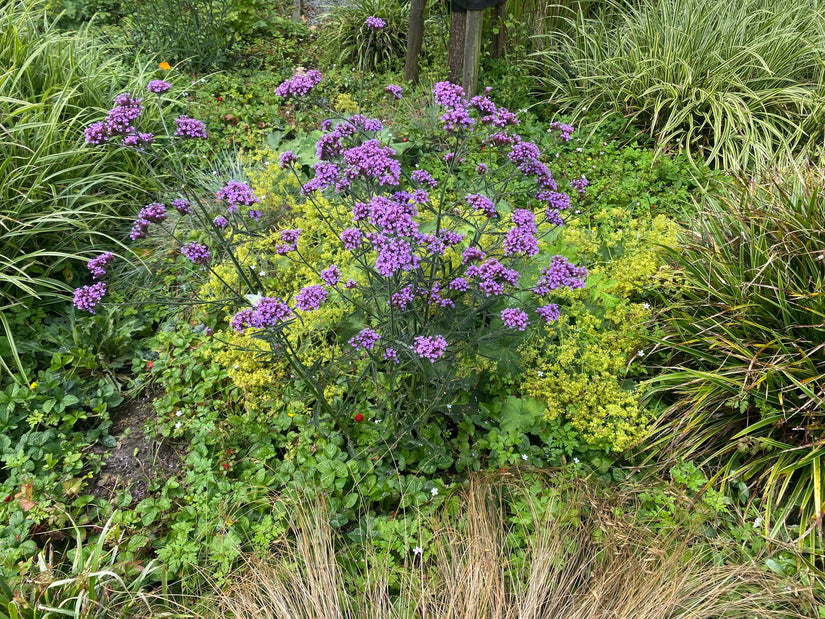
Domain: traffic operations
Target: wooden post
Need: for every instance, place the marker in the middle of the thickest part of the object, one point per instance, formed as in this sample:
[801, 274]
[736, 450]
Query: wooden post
[472, 52]
[297, 9]
[415, 37]
[501, 17]
[455, 54]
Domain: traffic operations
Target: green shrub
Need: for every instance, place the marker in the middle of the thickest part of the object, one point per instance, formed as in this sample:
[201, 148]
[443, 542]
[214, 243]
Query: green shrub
[735, 83]
[746, 365]
[359, 45]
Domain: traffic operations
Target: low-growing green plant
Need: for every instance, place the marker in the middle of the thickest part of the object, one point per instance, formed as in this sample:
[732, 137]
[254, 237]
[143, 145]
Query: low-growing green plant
[744, 377]
[735, 84]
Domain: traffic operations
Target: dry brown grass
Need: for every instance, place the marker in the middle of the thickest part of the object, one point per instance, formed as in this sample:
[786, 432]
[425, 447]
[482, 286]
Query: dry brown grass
[584, 562]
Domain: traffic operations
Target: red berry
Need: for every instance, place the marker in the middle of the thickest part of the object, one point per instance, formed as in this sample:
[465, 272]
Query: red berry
[225, 465]
[359, 417]
[150, 364]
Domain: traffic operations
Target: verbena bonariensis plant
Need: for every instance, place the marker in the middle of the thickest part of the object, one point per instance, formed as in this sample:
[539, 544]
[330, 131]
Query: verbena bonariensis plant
[441, 262]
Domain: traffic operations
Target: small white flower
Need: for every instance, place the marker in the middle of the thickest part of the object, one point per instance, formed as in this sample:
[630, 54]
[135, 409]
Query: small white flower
[646, 305]
[575, 460]
[262, 273]
[641, 353]
[449, 407]
[418, 550]
[178, 413]
[584, 109]
[757, 523]
[579, 149]
[524, 457]
[178, 425]
[539, 373]
[434, 492]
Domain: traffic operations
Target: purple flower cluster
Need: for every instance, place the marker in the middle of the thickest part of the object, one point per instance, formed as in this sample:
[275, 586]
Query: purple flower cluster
[186, 127]
[580, 184]
[374, 23]
[521, 239]
[139, 229]
[526, 157]
[289, 240]
[549, 312]
[220, 222]
[182, 206]
[198, 253]
[158, 86]
[423, 177]
[286, 159]
[237, 193]
[370, 160]
[366, 339]
[390, 354]
[119, 121]
[492, 276]
[153, 213]
[310, 298]
[402, 298]
[565, 131]
[138, 140]
[430, 347]
[560, 274]
[351, 238]
[97, 266]
[481, 203]
[299, 85]
[515, 318]
[268, 312]
[331, 275]
[87, 297]
[395, 91]
[394, 254]
[482, 169]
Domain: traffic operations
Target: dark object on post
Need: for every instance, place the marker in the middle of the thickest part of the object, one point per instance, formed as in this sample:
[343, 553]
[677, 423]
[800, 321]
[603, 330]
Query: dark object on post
[475, 5]
[415, 37]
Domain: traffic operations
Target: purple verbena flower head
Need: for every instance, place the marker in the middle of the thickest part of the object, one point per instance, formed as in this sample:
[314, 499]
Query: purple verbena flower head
[402, 298]
[515, 318]
[392, 217]
[153, 213]
[138, 140]
[310, 298]
[357, 121]
[87, 297]
[139, 229]
[390, 354]
[481, 168]
[459, 284]
[190, 128]
[560, 274]
[394, 254]
[331, 275]
[158, 86]
[120, 119]
[267, 312]
[492, 276]
[351, 238]
[481, 203]
[457, 118]
[182, 206]
[237, 193]
[449, 95]
[565, 131]
[580, 184]
[450, 238]
[555, 200]
[289, 240]
[365, 340]
[549, 312]
[326, 174]
[97, 266]
[430, 347]
[220, 222]
[286, 159]
[97, 133]
[423, 177]
[374, 23]
[371, 160]
[254, 214]
[395, 91]
[299, 85]
[198, 253]
[472, 254]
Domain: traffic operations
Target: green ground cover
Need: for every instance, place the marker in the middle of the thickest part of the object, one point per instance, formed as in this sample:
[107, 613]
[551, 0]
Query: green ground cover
[177, 452]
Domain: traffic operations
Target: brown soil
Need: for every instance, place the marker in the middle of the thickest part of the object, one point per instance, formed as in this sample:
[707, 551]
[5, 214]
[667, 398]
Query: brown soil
[138, 458]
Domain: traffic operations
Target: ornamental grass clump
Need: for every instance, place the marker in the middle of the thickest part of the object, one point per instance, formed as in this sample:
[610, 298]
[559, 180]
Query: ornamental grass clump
[745, 375]
[432, 264]
[736, 84]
